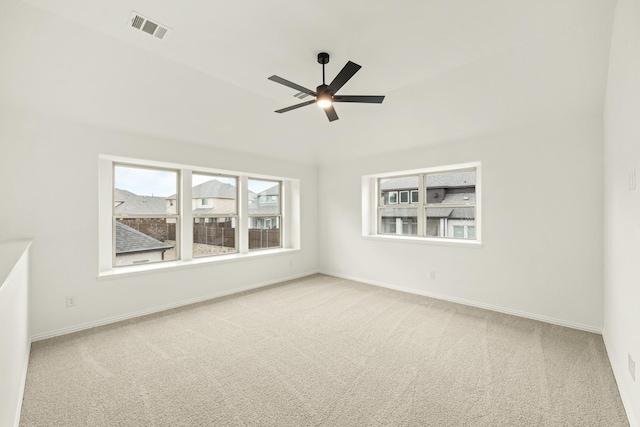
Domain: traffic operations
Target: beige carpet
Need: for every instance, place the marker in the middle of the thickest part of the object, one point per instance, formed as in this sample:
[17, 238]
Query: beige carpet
[322, 351]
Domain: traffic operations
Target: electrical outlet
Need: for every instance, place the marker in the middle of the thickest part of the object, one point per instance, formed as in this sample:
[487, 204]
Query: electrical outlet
[433, 275]
[71, 300]
[632, 367]
[632, 179]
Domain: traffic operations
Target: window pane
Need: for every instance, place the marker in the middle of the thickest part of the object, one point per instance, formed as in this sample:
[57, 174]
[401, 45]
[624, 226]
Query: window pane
[214, 194]
[141, 191]
[404, 197]
[414, 196]
[264, 232]
[402, 221]
[442, 222]
[145, 240]
[214, 236]
[264, 197]
[389, 188]
[451, 187]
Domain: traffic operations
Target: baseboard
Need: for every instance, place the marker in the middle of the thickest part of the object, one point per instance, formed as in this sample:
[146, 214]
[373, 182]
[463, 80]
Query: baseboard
[471, 303]
[145, 312]
[626, 399]
[25, 368]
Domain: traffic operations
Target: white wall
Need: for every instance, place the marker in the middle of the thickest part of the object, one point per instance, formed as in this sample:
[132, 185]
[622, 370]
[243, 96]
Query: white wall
[622, 205]
[542, 225]
[14, 328]
[44, 161]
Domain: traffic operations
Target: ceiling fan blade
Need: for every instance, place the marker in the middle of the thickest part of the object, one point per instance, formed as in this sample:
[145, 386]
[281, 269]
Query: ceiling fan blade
[343, 76]
[293, 107]
[369, 99]
[331, 113]
[292, 85]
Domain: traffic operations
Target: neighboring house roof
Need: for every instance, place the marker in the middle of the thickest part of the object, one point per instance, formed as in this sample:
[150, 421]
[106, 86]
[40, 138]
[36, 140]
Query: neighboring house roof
[459, 198]
[271, 191]
[451, 213]
[203, 210]
[442, 180]
[258, 209]
[452, 179]
[130, 240]
[212, 189]
[406, 182]
[134, 204]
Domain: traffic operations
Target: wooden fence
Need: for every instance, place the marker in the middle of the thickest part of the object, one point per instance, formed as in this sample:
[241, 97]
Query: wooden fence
[208, 233]
[259, 238]
[157, 228]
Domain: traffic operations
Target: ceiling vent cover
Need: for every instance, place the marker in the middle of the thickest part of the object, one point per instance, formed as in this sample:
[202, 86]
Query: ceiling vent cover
[140, 22]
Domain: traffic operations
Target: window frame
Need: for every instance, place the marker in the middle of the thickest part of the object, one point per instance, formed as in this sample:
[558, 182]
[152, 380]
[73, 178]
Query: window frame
[268, 201]
[395, 193]
[290, 217]
[371, 206]
[206, 216]
[166, 215]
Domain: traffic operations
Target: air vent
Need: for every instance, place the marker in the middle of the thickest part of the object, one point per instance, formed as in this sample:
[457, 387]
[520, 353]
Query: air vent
[142, 23]
[301, 95]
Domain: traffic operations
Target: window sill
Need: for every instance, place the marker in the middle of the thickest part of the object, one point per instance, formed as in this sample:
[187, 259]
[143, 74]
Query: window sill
[137, 270]
[424, 240]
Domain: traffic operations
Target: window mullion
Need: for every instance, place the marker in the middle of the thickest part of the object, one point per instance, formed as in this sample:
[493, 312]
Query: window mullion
[186, 214]
[243, 210]
[422, 213]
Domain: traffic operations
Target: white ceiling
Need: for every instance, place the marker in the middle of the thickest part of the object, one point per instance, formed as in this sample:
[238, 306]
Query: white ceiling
[450, 69]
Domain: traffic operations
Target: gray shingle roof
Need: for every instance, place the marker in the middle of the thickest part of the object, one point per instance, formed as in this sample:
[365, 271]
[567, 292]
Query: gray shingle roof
[202, 210]
[441, 180]
[451, 213]
[212, 189]
[459, 198]
[130, 240]
[271, 191]
[404, 183]
[452, 179]
[134, 204]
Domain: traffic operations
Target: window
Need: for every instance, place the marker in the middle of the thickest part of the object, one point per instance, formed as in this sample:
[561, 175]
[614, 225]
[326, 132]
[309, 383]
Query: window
[215, 230]
[437, 203]
[152, 215]
[450, 203]
[404, 197]
[144, 230]
[392, 197]
[264, 216]
[393, 219]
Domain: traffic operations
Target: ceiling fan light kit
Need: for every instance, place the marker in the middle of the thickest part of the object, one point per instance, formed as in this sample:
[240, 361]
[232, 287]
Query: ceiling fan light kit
[325, 95]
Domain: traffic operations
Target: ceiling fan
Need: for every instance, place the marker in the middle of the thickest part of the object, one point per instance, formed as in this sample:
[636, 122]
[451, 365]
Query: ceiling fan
[325, 95]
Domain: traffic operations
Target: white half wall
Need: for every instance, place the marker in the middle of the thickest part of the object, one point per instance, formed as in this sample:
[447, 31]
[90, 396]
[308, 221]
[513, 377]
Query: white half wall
[50, 195]
[541, 253]
[622, 204]
[14, 328]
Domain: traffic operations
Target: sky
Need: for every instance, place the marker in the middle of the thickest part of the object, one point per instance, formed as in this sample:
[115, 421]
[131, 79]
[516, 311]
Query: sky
[154, 182]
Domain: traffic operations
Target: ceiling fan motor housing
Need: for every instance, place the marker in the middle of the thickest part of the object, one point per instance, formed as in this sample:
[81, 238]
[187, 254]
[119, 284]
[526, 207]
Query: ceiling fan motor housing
[323, 58]
[323, 89]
